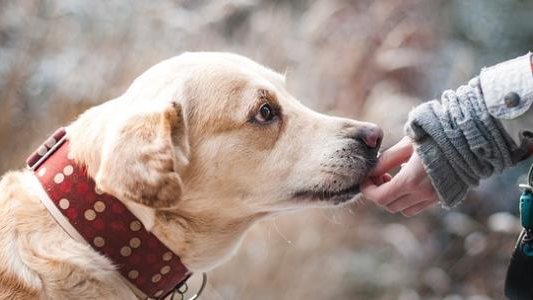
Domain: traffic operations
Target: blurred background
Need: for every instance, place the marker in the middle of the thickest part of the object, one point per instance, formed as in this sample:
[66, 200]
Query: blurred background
[369, 60]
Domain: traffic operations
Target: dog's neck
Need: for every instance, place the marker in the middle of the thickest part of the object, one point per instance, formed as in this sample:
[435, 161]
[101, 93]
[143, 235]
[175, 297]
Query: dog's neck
[195, 230]
[204, 239]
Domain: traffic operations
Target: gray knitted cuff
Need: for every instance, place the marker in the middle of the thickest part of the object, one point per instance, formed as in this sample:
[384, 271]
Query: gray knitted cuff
[449, 187]
[459, 142]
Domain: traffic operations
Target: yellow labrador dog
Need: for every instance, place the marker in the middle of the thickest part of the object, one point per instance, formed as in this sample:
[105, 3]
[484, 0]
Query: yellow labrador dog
[199, 148]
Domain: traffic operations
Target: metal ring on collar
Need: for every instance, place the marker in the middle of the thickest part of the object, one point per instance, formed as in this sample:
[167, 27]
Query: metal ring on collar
[182, 292]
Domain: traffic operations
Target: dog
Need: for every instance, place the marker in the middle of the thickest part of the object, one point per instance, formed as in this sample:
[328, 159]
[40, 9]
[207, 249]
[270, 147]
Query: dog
[199, 148]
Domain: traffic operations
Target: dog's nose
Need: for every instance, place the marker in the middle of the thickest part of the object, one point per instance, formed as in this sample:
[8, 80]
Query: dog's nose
[371, 135]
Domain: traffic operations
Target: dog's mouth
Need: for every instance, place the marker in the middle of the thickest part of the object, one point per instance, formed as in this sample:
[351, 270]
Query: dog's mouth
[334, 197]
[338, 196]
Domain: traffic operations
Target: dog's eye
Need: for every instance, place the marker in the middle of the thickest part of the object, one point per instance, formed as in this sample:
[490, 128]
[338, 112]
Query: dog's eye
[265, 114]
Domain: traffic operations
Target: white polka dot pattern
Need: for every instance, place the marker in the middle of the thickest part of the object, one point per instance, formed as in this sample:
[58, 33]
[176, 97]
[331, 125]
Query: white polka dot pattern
[99, 241]
[135, 225]
[135, 242]
[59, 178]
[89, 215]
[99, 206]
[64, 203]
[41, 172]
[68, 170]
[159, 293]
[167, 256]
[156, 278]
[98, 191]
[125, 251]
[165, 270]
[133, 274]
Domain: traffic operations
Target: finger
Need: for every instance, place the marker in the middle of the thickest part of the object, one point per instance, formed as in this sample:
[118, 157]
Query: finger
[373, 193]
[386, 193]
[403, 202]
[387, 177]
[394, 156]
[379, 180]
[419, 207]
[367, 187]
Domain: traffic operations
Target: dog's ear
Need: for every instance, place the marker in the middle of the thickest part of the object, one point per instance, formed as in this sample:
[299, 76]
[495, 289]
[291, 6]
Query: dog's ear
[143, 157]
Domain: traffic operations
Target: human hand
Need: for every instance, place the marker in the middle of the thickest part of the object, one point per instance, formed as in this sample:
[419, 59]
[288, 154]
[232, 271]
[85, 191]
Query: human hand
[410, 191]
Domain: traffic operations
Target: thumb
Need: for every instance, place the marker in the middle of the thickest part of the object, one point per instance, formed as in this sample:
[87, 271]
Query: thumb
[394, 156]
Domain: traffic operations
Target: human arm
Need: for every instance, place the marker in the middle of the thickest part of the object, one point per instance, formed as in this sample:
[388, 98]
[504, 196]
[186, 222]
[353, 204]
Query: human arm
[456, 141]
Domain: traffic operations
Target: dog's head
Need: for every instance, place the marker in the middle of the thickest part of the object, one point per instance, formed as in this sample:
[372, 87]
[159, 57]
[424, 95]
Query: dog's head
[220, 126]
[207, 143]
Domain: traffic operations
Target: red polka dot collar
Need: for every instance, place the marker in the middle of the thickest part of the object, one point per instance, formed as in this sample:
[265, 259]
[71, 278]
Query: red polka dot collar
[101, 220]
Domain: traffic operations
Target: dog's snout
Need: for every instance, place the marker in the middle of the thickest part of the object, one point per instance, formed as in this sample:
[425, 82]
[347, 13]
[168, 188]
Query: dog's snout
[371, 135]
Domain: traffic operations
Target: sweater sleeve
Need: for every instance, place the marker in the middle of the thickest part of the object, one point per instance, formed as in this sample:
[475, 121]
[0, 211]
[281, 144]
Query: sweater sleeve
[459, 141]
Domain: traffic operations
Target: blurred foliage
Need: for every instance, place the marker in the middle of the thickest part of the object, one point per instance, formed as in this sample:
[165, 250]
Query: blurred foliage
[371, 60]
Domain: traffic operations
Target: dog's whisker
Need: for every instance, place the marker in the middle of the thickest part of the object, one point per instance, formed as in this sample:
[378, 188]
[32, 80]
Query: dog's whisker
[280, 233]
[330, 218]
[350, 211]
[359, 201]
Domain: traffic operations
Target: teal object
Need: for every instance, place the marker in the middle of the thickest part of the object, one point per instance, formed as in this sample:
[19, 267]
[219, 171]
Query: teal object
[527, 249]
[526, 209]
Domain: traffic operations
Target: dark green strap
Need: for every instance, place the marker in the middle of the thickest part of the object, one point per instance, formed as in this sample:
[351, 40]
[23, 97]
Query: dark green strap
[519, 280]
[526, 203]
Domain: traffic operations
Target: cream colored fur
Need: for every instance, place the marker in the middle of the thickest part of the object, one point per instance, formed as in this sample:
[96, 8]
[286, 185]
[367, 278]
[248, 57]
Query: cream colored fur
[184, 131]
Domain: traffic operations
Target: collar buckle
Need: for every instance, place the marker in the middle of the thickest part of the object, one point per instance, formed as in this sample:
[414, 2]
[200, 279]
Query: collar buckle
[46, 149]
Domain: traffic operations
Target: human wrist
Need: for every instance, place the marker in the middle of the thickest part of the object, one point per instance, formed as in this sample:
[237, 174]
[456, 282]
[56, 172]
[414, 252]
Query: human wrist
[429, 139]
